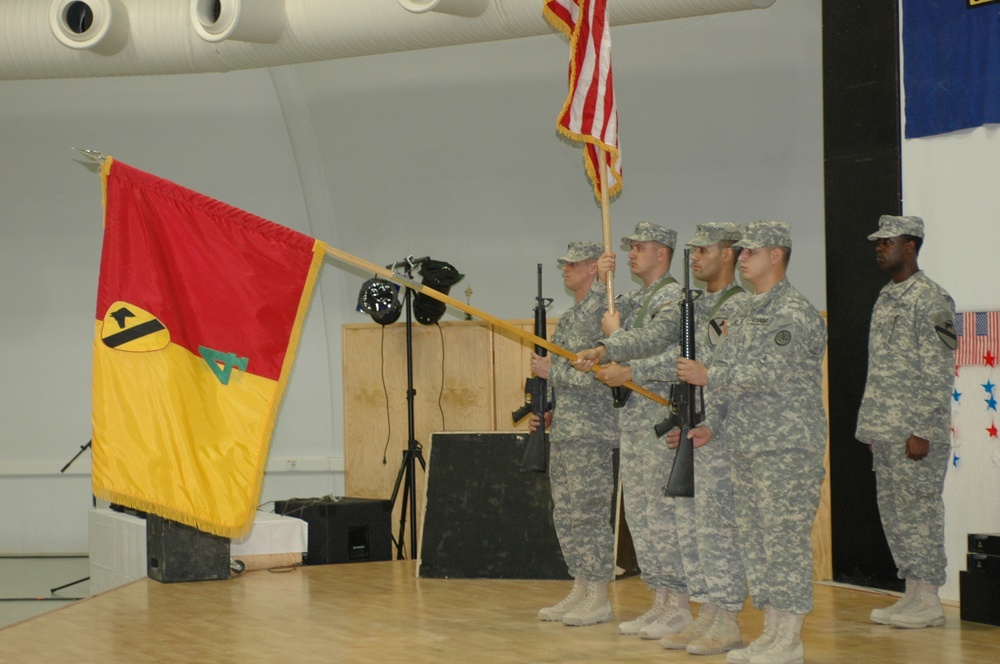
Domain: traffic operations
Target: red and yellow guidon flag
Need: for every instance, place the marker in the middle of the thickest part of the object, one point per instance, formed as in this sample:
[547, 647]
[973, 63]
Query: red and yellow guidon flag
[199, 310]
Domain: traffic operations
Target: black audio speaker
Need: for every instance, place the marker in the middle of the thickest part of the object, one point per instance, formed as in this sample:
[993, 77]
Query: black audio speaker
[343, 530]
[979, 594]
[981, 563]
[985, 543]
[485, 518]
[176, 552]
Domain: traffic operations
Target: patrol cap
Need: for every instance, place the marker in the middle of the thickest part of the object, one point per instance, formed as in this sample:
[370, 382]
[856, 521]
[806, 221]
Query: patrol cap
[647, 232]
[713, 233]
[892, 226]
[759, 234]
[578, 251]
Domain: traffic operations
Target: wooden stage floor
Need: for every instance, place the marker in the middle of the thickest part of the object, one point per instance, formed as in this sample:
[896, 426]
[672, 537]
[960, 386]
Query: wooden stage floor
[380, 613]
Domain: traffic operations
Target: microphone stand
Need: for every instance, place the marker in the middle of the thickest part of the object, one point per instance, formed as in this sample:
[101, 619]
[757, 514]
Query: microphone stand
[414, 450]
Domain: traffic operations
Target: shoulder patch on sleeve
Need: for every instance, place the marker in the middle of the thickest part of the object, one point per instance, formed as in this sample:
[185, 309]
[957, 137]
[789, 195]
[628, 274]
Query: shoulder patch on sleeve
[944, 325]
[717, 328]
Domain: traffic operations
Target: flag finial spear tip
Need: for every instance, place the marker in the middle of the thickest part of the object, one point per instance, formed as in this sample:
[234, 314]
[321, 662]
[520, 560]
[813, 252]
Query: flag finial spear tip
[92, 154]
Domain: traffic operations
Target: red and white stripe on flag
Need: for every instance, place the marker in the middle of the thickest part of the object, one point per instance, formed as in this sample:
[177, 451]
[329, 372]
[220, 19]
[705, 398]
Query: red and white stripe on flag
[589, 114]
[978, 335]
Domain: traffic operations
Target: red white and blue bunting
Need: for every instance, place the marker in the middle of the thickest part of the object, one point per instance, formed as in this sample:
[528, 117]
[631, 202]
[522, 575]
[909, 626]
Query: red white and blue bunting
[974, 399]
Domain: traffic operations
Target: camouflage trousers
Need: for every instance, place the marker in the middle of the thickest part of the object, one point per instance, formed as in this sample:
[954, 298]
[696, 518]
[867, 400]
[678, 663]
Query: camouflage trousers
[581, 474]
[663, 554]
[686, 525]
[776, 494]
[720, 562]
[912, 509]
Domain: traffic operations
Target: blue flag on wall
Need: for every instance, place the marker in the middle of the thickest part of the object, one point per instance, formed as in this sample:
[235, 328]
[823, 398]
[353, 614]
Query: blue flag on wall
[951, 65]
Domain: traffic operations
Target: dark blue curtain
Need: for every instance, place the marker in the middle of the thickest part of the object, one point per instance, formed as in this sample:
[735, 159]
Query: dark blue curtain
[951, 65]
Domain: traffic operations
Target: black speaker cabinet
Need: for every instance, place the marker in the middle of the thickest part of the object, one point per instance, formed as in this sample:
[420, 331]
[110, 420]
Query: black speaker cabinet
[176, 552]
[985, 543]
[485, 518]
[979, 594]
[343, 530]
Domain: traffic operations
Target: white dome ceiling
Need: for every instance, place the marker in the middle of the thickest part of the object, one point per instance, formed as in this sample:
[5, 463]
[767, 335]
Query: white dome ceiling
[86, 38]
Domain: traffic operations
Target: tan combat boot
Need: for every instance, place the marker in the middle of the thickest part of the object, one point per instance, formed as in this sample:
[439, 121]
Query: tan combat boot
[923, 611]
[786, 648]
[659, 606]
[555, 613]
[723, 636]
[763, 642]
[681, 639]
[882, 616]
[594, 609]
[675, 618]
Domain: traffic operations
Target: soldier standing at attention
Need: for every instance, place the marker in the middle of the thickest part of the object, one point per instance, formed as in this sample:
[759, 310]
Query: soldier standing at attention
[713, 532]
[765, 399]
[905, 418]
[642, 346]
[583, 440]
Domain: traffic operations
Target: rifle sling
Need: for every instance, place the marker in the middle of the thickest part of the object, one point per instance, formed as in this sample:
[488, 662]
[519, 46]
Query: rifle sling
[725, 296]
[621, 394]
[641, 316]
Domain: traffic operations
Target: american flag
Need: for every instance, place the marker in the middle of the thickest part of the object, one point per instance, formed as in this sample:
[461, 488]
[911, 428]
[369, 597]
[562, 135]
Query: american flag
[978, 335]
[589, 114]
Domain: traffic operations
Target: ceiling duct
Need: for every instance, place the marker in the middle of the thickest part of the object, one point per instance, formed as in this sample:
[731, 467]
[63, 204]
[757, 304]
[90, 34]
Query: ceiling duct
[258, 21]
[146, 37]
[95, 25]
[469, 8]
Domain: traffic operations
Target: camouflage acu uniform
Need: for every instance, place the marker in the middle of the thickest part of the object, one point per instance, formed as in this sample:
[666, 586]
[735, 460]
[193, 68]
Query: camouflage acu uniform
[650, 348]
[910, 380]
[583, 437]
[765, 398]
[719, 562]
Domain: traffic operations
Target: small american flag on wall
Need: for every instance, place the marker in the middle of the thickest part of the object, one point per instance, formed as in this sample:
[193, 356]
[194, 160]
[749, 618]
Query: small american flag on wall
[978, 338]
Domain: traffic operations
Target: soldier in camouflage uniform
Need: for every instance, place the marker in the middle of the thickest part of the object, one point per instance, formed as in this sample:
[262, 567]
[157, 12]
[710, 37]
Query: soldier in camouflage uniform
[713, 532]
[583, 440]
[642, 346]
[765, 398]
[905, 418]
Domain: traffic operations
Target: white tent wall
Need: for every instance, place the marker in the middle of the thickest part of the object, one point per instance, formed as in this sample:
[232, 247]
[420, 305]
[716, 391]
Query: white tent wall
[82, 38]
[223, 135]
[449, 152]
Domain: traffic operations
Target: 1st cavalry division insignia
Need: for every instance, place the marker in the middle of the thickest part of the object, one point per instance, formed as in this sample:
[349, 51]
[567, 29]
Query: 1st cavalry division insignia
[716, 330]
[131, 328]
[944, 325]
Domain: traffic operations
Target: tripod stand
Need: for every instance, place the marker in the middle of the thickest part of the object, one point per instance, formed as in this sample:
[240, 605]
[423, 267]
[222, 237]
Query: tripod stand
[414, 451]
[83, 448]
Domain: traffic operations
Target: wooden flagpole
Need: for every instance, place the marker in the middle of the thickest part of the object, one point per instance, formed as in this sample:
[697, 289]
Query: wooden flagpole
[603, 177]
[478, 313]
